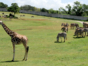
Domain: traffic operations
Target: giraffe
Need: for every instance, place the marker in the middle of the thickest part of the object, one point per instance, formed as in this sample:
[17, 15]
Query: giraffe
[16, 39]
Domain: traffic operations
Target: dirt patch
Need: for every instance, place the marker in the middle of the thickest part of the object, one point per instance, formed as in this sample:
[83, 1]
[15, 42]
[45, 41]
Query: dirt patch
[34, 19]
[41, 28]
[80, 22]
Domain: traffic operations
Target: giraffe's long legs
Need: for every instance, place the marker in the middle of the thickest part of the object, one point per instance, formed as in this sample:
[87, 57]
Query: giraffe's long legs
[26, 50]
[13, 51]
[25, 54]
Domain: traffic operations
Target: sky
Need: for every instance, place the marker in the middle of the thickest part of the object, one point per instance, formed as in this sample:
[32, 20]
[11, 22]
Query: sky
[48, 4]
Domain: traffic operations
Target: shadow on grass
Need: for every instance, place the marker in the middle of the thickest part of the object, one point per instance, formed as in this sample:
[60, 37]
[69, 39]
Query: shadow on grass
[78, 37]
[8, 61]
[58, 42]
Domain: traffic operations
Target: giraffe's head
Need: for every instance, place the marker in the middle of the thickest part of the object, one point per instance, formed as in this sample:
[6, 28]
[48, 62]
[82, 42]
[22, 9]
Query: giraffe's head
[0, 22]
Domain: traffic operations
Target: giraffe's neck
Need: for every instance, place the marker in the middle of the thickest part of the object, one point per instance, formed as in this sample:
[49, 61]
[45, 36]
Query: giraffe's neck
[8, 31]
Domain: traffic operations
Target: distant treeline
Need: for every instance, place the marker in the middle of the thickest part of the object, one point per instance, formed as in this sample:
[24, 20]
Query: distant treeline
[77, 9]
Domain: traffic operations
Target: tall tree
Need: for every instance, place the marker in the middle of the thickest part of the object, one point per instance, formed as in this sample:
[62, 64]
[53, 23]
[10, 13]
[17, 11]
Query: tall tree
[69, 9]
[43, 10]
[51, 11]
[62, 11]
[14, 8]
[2, 5]
[85, 8]
[27, 8]
[77, 9]
[37, 9]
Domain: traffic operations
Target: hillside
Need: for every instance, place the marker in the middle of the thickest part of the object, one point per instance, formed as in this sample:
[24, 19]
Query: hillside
[44, 50]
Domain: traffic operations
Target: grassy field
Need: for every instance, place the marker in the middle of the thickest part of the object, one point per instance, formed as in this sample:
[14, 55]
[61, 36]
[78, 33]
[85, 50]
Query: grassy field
[44, 50]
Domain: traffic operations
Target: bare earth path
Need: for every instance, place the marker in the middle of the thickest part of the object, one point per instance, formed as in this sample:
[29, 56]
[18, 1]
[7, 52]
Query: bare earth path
[80, 22]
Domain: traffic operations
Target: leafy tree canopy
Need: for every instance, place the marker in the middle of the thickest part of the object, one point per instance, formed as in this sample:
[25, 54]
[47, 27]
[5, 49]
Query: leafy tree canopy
[2, 5]
[14, 8]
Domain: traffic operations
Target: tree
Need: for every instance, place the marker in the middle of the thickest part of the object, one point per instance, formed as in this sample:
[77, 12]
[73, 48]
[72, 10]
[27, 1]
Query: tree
[62, 10]
[2, 5]
[37, 9]
[77, 9]
[51, 11]
[85, 8]
[43, 10]
[69, 9]
[14, 8]
[27, 8]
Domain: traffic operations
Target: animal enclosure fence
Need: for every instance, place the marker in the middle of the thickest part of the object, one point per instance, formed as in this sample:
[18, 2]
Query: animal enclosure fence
[50, 15]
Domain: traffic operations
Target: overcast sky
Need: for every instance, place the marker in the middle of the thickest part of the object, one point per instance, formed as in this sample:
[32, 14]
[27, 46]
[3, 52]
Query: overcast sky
[48, 4]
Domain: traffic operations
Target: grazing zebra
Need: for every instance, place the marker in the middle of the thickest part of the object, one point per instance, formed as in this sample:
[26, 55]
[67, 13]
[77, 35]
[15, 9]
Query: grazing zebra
[85, 24]
[86, 31]
[79, 31]
[72, 25]
[76, 25]
[61, 35]
[65, 25]
[62, 24]
[64, 29]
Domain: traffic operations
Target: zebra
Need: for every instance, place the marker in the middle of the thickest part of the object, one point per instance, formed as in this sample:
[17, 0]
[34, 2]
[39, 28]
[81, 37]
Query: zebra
[86, 30]
[79, 31]
[64, 29]
[63, 34]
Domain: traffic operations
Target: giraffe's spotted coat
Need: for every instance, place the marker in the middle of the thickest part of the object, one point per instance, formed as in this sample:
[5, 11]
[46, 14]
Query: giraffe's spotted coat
[16, 39]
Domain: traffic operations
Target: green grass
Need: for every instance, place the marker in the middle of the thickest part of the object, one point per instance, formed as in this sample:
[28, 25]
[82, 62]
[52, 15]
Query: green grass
[44, 50]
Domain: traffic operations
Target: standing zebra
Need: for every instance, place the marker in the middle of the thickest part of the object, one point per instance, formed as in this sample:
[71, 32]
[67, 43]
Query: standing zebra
[61, 35]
